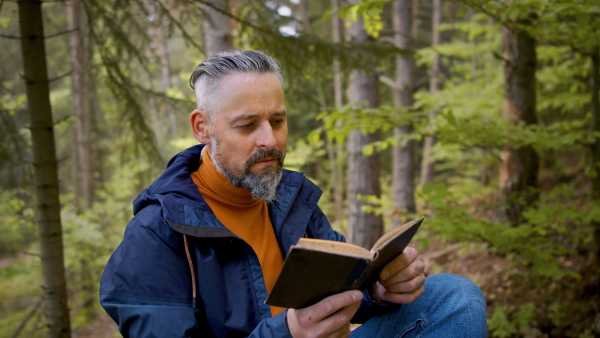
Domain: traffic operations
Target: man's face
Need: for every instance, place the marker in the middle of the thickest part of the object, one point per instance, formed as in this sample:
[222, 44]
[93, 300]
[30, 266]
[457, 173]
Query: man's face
[248, 135]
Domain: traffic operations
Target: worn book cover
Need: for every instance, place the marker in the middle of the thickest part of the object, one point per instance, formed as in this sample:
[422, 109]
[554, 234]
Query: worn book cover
[316, 268]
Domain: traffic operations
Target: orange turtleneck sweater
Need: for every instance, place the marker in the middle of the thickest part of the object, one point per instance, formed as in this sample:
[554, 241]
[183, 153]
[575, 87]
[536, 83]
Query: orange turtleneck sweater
[245, 216]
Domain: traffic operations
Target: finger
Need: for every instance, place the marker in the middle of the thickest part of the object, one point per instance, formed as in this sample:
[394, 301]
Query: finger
[414, 269]
[406, 286]
[338, 324]
[328, 306]
[399, 263]
[404, 298]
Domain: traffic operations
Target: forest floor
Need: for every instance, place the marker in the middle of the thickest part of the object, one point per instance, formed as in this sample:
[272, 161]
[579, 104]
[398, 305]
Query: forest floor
[530, 306]
[557, 307]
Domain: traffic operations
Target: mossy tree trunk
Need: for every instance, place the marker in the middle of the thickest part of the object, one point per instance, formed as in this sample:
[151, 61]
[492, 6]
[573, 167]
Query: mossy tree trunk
[595, 147]
[435, 84]
[45, 166]
[519, 167]
[404, 162]
[363, 171]
[216, 28]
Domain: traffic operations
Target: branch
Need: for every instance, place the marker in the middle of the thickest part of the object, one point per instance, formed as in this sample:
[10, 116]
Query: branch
[386, 80]
[14, 37]
[226, 13]
[159, 94]
[181, 29]
[29, 315]
[32, 253]
[62, 119]
[500, 57]
[10, 37]
[443, 252]
[61, 76]
[61, 33]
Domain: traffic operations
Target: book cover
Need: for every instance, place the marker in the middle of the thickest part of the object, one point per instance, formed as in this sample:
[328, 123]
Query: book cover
[315, 268]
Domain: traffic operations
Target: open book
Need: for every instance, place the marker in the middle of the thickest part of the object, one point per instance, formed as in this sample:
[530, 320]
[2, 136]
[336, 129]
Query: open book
[317, 268]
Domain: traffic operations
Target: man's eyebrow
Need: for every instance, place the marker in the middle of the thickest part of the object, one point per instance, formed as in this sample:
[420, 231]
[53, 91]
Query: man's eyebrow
[280, 113]
[253, 116]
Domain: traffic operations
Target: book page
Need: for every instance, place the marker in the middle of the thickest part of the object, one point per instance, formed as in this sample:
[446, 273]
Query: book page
[392, 233]
[334, 247]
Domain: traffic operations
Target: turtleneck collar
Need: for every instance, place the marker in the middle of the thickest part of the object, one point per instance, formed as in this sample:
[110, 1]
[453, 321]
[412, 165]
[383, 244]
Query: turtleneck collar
[219, 187]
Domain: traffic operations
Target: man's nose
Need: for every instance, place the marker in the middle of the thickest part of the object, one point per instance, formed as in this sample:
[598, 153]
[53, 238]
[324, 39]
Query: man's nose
[266, 138]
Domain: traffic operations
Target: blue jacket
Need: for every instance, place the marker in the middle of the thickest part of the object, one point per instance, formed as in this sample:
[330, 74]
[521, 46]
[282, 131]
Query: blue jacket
[149, 283]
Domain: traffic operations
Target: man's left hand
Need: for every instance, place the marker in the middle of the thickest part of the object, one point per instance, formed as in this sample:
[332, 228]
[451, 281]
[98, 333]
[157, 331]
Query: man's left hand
[402, 280]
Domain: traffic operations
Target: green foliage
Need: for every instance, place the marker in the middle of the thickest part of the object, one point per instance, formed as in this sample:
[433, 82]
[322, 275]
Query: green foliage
[302, 154]
[507, 321]
[369, 10]
[16, 221]
[341, 121]
[19, 293]
[552, 229]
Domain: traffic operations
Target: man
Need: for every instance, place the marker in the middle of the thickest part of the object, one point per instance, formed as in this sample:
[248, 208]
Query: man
[209, 236]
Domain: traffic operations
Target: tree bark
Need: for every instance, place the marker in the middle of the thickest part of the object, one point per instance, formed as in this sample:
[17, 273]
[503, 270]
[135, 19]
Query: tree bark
[435, 84]
[363, 172]
[338, 94]
[83, 172]
[45, 166]
[595, 147]
[519, 167]
[403, 186]
[216, 28]
[165, 70]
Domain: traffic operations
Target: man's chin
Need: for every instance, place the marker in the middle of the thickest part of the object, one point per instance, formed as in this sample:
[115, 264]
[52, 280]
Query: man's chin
[259, 169]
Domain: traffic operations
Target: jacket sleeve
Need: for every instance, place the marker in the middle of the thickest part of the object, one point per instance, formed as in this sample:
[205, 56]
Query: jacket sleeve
[272, 327]
[146, 286]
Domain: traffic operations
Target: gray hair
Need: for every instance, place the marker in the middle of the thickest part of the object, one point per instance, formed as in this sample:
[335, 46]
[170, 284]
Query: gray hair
[207, 77]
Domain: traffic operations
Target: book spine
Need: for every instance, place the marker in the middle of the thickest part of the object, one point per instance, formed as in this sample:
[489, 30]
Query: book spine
[361, 282]
[354, 279]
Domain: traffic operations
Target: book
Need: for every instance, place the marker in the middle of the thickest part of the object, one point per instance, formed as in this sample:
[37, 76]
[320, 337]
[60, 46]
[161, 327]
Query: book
[317, 268]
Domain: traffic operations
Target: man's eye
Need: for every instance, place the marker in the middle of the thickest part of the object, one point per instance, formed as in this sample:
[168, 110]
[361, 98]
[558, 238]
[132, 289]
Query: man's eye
[245, 126]
[279, 121]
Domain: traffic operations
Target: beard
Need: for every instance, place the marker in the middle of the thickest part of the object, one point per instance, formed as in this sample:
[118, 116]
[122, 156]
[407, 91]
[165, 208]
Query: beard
[262, 185]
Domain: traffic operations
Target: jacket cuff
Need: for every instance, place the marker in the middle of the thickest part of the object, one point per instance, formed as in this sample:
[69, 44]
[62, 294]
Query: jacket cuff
[370, 307]
[273, 327]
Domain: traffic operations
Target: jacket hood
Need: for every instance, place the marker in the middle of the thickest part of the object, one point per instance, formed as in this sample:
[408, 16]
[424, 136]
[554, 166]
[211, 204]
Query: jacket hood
[175, 181]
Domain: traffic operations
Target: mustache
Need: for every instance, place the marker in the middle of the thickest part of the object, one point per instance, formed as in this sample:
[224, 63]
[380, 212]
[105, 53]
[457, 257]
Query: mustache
[262, 154]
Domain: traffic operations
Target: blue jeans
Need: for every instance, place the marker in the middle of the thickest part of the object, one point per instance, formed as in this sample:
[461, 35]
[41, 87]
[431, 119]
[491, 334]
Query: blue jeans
[451, 306]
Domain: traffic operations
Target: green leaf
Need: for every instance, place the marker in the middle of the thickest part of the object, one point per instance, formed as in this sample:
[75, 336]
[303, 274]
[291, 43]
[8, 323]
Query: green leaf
[513, 13]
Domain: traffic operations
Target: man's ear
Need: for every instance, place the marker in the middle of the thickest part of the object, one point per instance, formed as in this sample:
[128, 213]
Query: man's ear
[200, 126]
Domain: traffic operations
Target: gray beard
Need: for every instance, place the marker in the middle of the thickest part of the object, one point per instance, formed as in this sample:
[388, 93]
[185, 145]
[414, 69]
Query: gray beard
[262, 186]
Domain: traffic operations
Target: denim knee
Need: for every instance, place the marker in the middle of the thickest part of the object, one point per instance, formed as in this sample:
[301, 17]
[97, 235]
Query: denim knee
[451, 285]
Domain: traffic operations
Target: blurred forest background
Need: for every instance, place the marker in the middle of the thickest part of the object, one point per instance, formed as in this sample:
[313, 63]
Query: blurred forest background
[482, 115]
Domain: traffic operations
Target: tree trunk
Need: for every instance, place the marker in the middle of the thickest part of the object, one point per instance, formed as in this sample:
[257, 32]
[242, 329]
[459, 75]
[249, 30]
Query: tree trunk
[363, 172]
[216, 28]
[414, 26]
[595, 147]
[338, 94]
[83, 175]
[403, 185]
[162, 50]
[435, 84]
[519, 167]
[45, 166]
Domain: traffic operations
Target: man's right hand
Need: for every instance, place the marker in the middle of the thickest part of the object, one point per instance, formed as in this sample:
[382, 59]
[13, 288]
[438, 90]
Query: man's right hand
[328, 318]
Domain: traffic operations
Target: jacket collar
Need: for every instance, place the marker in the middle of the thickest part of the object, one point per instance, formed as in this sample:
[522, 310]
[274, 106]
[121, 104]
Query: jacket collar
[184, 209]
